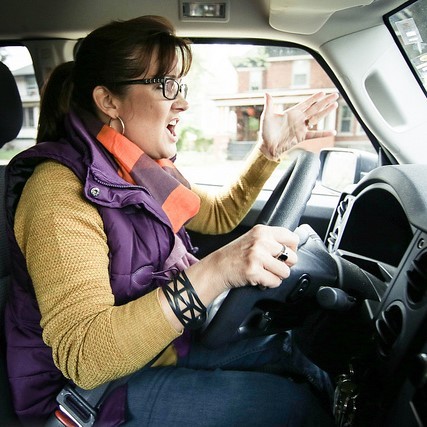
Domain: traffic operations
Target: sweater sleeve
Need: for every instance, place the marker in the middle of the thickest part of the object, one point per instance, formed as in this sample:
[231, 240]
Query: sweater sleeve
[221, 212]
[62, 238]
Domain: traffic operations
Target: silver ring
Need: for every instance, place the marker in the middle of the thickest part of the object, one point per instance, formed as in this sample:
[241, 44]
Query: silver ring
[284, 254]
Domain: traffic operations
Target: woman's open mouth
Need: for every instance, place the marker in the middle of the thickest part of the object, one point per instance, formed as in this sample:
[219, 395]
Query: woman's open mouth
[171, 127]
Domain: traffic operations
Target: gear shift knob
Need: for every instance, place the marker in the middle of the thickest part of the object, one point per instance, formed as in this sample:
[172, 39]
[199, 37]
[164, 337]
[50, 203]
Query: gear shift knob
[334, 299]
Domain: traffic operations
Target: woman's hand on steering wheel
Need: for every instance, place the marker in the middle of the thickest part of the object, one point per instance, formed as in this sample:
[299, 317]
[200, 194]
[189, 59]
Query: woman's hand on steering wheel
[263, 256]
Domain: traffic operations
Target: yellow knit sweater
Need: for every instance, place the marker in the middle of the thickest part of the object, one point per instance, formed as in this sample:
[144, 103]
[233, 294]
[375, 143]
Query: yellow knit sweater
[62, 238]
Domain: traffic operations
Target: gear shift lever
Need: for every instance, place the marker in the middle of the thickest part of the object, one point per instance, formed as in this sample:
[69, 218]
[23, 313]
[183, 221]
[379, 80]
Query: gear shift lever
[334, 299]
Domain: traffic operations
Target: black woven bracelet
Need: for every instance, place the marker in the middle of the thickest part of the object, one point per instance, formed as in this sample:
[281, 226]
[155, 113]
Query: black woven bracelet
[185, 302]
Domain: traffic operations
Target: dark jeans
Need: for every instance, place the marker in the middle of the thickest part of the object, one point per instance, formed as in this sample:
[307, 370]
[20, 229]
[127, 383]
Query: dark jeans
[257, 382]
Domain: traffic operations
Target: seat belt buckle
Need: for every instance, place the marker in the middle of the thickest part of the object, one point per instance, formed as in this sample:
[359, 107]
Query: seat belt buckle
[75, 408]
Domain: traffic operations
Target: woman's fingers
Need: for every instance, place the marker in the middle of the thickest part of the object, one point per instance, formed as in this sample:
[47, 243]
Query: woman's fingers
[264, 256]
[310, 101]
[282, 130]
[312, 134]
[320, 108]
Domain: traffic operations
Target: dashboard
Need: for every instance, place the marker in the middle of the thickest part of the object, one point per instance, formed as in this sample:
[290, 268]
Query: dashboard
[381, 226]
[356, 301]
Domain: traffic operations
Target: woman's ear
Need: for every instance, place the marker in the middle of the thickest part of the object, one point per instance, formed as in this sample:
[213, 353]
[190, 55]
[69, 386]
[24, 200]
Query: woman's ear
[105, 101]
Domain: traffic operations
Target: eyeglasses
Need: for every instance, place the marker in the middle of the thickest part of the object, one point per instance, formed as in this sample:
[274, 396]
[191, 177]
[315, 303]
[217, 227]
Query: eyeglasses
[170, 86]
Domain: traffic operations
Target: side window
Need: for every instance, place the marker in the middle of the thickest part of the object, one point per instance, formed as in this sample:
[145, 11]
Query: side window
[226, 96]
[407, 26]
[19, 61]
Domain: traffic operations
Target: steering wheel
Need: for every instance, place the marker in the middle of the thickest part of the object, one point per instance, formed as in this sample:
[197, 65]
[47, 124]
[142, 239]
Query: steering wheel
[248, 311]
[288, 200]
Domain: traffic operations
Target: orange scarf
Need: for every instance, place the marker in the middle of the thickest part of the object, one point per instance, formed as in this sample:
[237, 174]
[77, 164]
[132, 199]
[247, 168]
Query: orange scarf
[160, 177]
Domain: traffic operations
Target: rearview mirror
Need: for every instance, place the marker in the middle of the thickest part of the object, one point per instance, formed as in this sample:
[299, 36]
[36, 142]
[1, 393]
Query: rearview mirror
[341, 167]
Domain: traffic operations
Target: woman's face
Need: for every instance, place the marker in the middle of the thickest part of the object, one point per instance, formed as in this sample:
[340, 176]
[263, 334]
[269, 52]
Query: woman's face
[150, 119]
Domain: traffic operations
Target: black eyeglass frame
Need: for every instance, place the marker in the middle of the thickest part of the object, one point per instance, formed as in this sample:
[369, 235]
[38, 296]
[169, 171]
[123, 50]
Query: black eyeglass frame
[182, 87]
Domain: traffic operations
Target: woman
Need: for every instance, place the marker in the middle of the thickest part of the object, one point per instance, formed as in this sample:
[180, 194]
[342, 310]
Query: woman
[105, 278]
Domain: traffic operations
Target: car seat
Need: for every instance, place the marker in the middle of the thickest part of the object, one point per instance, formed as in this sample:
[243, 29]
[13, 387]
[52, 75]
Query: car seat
[10, 125]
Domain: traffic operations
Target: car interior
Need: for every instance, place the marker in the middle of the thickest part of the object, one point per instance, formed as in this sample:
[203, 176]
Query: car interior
[356, 301]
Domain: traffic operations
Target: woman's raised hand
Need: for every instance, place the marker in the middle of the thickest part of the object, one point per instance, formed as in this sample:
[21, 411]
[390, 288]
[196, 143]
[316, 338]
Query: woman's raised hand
[280, 131]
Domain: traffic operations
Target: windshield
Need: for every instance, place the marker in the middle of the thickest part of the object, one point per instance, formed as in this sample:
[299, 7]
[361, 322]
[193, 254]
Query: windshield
[227, 84]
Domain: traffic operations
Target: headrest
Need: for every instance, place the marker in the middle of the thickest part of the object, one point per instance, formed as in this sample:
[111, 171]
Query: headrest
[10, 106]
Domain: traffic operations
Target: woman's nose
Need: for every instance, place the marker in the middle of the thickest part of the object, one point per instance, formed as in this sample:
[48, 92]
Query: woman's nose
[180, 103]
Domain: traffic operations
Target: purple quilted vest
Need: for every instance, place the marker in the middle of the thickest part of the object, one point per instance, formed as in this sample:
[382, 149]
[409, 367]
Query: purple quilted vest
[128, 212]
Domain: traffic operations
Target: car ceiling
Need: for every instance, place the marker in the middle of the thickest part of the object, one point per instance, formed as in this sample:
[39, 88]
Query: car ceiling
[310, 22]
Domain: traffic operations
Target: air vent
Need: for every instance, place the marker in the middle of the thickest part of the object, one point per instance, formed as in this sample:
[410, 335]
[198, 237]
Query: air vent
[417, 280]
[389, 327]
[333, 235]
[342, 207]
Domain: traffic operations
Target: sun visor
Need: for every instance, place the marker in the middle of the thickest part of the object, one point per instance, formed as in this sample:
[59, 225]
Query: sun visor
[307, 16]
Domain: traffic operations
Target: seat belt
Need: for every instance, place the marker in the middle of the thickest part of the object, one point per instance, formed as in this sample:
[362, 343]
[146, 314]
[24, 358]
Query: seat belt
[78, 407]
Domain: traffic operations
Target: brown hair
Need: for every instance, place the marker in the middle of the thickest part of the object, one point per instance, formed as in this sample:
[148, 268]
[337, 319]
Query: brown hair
[120, 50]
